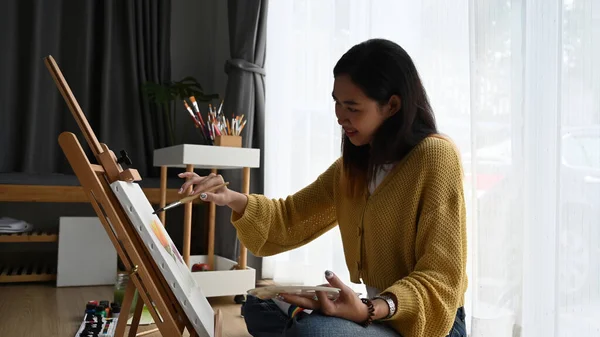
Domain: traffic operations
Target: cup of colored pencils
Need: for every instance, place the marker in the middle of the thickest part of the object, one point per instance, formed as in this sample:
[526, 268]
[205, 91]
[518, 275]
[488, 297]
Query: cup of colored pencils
[218, 130]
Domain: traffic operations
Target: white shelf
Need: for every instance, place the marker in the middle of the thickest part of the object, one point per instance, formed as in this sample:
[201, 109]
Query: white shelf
[207, 157]
[223, 281]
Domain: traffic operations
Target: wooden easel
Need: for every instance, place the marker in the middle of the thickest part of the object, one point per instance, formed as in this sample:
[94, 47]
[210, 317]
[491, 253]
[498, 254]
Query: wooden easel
[144, 275]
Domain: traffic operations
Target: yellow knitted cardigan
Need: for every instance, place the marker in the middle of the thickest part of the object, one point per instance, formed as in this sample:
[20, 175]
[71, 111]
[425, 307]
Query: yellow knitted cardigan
[408, 237]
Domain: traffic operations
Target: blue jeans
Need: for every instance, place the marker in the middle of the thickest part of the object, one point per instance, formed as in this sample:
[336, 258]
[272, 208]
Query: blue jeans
[265, 319]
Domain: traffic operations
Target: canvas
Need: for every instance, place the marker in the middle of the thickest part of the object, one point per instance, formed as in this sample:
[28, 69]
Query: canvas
[163, 251]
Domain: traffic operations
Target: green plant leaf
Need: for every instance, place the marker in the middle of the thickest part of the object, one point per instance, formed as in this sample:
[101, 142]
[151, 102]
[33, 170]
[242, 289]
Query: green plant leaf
[176, 90]
[156, 92]
[190, 80]
[206, 97]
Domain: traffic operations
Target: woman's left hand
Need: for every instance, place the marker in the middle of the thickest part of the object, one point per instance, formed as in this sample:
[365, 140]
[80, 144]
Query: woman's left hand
[348, 305]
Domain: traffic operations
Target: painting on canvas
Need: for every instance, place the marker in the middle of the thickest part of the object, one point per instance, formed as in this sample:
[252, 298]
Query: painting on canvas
[167, 256]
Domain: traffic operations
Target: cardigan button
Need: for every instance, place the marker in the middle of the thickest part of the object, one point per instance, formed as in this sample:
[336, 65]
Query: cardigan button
[359, 231]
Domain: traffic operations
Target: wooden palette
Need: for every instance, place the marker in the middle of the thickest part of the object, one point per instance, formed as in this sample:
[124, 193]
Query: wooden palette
[308, 291]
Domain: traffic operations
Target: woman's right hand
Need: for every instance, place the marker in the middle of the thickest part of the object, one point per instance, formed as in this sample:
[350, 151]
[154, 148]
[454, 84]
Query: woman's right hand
[221, 197]
[199, 184]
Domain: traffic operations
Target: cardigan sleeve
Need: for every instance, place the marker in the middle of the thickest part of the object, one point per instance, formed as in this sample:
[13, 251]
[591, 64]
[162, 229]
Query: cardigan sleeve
[427, 299]
[272, 226]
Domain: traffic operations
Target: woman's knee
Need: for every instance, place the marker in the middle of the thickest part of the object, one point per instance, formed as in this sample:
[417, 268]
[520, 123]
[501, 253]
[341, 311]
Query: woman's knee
[316, 325]
[251, 305]
[263, 317]
[308, 325]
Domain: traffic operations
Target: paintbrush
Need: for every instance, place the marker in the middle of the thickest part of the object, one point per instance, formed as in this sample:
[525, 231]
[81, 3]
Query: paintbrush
[193, 99]
[188, 199]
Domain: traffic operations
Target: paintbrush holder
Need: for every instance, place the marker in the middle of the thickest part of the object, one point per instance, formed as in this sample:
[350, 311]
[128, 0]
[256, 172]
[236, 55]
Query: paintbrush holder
[229, 141]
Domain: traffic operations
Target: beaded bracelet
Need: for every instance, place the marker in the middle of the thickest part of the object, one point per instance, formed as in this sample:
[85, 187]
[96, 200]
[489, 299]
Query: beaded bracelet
[369, 304]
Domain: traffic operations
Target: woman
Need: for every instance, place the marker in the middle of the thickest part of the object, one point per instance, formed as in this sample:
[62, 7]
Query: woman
[396, 194]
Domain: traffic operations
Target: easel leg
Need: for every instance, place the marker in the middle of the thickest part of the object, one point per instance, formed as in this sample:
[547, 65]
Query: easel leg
[137, 315]
[187, 223]
[163, 193]
[218, 323]
[212, 212]
[125, 307]
[246, 190]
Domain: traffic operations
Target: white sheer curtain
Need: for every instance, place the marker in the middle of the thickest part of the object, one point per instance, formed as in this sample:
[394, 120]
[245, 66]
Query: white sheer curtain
[517, 85]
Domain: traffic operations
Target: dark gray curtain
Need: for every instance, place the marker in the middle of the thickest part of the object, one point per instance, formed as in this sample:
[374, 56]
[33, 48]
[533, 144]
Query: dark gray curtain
[105, 49]
[245, 94]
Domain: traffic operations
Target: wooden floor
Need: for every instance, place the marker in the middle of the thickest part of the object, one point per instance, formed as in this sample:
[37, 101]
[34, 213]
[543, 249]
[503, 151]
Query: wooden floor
[44, 310]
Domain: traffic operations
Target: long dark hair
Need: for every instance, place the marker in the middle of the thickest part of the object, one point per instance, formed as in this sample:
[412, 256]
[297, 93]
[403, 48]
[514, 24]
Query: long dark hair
[381, 68]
